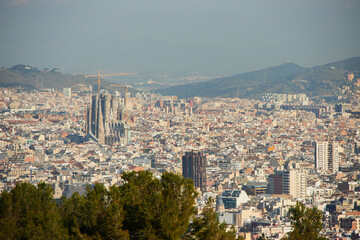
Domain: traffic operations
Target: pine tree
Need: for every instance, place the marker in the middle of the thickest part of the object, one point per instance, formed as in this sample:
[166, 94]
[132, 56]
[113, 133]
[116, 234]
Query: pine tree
[157, 209]
[306, 223]
[144, 207]
[97, 215]
[208, 227]
[29, 212]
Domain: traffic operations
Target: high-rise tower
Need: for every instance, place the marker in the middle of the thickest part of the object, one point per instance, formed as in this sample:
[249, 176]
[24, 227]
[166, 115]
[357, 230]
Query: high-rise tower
[294, 183]
[327, 156]
[194, 167]
[291, 181]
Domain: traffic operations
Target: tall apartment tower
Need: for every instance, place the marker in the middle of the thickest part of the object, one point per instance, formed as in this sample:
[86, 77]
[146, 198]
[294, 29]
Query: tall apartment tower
[292, 182]
[67, 92]
[104, 120]
[327, 156]
[194, 167]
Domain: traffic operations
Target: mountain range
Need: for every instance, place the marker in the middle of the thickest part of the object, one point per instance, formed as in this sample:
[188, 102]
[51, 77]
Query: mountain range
[287, 78]
[315, 81]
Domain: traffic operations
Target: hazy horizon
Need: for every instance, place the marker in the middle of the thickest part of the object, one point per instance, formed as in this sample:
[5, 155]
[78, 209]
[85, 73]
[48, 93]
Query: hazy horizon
[208, 36]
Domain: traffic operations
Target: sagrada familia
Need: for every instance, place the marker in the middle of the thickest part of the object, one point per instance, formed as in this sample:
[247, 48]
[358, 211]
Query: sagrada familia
[104, 120]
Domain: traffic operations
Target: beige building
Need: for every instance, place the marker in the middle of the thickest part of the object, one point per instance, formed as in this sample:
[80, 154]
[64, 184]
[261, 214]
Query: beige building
[294, 183]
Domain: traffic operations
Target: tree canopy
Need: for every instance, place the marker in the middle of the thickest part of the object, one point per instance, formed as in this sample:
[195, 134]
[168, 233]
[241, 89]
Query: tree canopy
[157, 209]
[96, 215]
[208, 227]
[144, 207]
[29, 212]
[306, 223]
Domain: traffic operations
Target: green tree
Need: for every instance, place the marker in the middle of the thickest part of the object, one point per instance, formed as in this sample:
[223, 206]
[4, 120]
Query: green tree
[306, 223]
[97, 215]
[176, 206]
[157, 209]
[144, 207]
[29, 212]
[208, 227]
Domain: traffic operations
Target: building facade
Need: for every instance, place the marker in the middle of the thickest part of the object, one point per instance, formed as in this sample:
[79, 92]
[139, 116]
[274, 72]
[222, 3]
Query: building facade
[327, 156]
[255, 188]
[104, 120]
[67, 92]
[232, 199]
[292, 182]
[194, 167]
[275, 183]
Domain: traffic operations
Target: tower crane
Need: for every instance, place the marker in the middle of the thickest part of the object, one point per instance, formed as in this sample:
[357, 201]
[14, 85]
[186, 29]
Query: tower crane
[126, 95]
[99, 74]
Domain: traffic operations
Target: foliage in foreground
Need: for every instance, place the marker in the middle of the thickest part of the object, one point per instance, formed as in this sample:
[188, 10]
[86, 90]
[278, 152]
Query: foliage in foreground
[306, 223]
[143, 208]
[208, 226]
[29, 212]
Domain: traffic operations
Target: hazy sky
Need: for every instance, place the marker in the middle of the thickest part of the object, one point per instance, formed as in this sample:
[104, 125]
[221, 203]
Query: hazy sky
[211, 36]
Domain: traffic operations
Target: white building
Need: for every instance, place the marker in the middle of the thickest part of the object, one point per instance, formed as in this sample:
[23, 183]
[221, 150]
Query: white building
[327, 156]
[232, 199]
[294, 183]
[67, 92]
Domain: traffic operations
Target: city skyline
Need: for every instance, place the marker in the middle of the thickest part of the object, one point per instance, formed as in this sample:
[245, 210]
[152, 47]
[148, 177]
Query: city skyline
[241, 120]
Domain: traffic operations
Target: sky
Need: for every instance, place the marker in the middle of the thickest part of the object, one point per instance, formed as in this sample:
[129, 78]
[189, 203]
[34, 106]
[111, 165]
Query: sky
[208, 36]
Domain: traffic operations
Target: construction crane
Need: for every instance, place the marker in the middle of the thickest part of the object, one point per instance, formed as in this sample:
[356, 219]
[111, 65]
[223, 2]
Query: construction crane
[99, 74]
[126, 99]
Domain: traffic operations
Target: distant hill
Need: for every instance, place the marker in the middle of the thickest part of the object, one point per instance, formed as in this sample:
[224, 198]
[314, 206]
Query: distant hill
[29, 77]
[286, 78]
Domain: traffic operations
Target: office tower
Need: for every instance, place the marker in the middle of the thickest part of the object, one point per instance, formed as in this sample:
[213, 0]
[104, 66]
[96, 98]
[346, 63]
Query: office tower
[327, 156]
[104, 120]
[194, 167]
[275, 183]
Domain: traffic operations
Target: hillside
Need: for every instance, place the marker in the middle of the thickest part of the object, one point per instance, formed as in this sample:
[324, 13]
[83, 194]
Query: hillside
[286, 78]
[32, 78]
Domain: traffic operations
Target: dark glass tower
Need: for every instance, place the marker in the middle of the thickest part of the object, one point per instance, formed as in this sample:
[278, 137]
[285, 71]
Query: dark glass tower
[194, 167]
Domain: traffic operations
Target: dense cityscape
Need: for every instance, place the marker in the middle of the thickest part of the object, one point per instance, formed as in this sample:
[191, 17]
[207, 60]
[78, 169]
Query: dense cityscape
[179, 120]
[255, 158]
